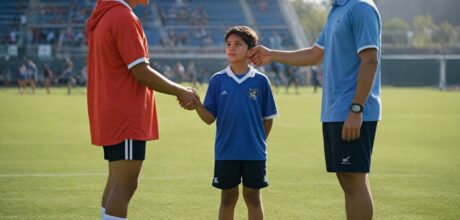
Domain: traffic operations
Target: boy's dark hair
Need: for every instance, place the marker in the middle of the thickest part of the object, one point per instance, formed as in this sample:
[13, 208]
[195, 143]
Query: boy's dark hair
[246, 33]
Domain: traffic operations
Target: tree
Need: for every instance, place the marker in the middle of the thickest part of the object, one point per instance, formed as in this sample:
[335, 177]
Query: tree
[448, 34]
[397, 31]
[424, 28]
[312, 16]
[396, 24]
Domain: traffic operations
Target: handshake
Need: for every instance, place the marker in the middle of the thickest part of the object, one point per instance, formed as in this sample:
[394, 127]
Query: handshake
[188, 98]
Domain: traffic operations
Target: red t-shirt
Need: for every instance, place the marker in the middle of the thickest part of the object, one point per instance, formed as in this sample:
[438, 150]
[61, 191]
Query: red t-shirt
[119, 107]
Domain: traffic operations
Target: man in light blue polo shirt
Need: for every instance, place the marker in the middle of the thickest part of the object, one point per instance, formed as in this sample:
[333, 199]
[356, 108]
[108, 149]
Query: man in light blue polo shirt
[349, 46]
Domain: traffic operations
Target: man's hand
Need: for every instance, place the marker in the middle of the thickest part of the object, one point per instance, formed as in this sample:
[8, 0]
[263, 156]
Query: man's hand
[352, 126]
[196, 94]
[260, 55]
[187, 99]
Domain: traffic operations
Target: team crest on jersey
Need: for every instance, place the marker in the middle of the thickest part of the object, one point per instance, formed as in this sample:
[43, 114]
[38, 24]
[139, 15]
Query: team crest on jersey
[253, 93]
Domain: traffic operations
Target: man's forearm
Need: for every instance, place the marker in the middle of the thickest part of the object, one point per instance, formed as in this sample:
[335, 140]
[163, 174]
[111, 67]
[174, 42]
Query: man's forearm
[301, 57]
[366, 75]
[155, 81]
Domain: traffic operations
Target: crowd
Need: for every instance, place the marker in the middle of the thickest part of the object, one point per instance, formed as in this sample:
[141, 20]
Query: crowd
[29, 75]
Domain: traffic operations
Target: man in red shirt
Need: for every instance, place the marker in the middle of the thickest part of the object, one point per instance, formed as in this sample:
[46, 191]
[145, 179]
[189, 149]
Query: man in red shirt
[121, 101]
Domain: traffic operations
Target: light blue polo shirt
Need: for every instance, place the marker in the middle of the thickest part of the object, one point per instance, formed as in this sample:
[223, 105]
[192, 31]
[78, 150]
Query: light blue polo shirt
[352, 26]
[240, 105]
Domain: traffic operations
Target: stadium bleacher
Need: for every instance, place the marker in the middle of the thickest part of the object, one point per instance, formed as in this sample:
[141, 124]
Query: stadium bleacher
[170, 27]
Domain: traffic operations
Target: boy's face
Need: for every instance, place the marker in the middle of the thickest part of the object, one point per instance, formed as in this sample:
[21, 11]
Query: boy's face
[236, 49]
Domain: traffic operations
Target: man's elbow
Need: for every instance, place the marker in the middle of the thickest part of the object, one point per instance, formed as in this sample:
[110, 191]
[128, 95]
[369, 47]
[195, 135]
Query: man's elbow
[140, 73]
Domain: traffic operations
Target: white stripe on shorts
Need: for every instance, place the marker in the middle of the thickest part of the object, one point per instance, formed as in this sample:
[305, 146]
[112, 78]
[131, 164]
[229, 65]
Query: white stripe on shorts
[126, 149]
[130, 149]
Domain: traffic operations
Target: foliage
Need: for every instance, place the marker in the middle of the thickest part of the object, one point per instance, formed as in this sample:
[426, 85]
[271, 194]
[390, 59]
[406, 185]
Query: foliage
[312, 16]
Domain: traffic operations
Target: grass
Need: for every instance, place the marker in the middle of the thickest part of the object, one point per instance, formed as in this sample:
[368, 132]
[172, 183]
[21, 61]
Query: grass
[49, 170]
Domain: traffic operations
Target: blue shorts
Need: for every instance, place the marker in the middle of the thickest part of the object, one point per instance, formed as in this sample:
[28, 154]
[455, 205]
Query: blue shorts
[129, 149]
[229, 173]
[348, 156]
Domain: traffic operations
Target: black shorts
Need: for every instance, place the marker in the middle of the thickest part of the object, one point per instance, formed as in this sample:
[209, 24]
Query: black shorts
[229, 173]
[129, 149]
[348, 156]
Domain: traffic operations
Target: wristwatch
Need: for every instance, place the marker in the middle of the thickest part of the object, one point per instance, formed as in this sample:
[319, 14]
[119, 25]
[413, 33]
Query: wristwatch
[356, 108]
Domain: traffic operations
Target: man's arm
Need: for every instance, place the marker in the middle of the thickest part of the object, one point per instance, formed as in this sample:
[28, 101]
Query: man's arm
[143, 73]
[366, 75]
[267, 126]
[261, 55]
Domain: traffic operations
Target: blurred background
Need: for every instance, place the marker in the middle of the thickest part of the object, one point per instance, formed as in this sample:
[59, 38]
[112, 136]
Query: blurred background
[420, 38]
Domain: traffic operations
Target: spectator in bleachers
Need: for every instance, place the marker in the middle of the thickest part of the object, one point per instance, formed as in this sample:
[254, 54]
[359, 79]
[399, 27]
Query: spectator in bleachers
[78, 38]
[61, 39]
[69, 35]
[47, 77]
[276, 42]
[13, 37]
[263, 5]
[50, 37]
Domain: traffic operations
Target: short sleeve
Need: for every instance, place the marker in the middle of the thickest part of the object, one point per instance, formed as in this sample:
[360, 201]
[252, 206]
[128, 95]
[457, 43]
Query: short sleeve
[366, 26]
[210, 102]
[269, 110]
[320, 41]
[130, 42]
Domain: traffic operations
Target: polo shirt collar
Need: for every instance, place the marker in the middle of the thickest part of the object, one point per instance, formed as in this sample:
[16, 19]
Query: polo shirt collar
[251, 73]
[339, 2]
[124, 3]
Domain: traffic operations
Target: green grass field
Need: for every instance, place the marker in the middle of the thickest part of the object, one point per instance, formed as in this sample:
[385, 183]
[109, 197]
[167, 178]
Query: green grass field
[49, 170]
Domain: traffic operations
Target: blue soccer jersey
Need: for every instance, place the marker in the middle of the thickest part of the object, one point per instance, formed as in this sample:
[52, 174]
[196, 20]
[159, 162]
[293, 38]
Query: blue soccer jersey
[240, 105]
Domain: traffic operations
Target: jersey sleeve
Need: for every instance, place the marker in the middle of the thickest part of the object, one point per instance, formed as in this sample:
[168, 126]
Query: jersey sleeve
[210, 102]
[269, 110]
[130, 42]
[366, 26]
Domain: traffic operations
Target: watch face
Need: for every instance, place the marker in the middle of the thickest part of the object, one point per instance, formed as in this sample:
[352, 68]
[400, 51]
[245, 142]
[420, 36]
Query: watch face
[355, 108]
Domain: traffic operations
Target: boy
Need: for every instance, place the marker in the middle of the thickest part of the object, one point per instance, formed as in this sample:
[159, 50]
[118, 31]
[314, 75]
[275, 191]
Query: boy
[241, 100]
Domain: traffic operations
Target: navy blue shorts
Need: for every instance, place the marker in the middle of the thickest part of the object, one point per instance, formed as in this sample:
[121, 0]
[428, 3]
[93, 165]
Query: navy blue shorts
[348, 156]
[229, 173]
[129, 149]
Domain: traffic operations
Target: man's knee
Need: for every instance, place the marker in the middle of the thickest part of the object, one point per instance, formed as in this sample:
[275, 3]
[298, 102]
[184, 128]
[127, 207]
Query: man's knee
[352, 182]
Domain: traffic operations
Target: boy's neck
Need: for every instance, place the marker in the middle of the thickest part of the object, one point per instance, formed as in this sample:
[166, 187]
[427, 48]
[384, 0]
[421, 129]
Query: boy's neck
[239, 68]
